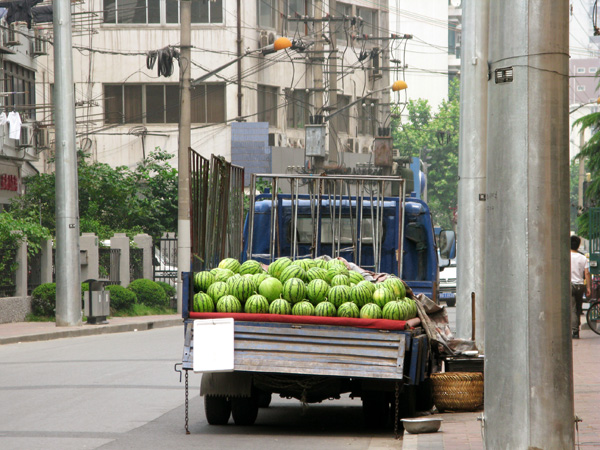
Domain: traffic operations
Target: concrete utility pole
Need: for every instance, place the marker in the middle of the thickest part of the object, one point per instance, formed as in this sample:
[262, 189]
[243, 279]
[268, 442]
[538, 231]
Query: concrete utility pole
[471, 169]
[184, 246]
[528, 348]
[68, 286]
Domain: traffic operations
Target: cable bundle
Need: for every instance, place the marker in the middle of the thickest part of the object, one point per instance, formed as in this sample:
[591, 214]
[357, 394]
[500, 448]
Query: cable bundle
[164, 56]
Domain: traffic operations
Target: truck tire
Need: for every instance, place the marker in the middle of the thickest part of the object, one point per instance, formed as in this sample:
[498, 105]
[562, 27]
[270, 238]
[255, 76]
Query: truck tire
[244, 410]
[264, 399]
[451, 302]
[376, 409]
[217, 409]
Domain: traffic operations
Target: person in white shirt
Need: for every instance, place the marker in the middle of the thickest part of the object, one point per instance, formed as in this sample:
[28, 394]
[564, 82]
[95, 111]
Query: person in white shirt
[580, 283]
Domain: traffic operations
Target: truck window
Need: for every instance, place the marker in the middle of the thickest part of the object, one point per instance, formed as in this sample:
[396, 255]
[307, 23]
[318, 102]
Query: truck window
[305, 230]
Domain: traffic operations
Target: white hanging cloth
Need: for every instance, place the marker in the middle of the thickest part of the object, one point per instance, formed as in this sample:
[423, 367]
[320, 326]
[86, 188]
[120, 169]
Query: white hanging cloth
[14, 125]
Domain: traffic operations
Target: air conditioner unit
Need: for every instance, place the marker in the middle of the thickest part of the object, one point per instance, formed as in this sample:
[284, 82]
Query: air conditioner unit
[12, 37]
[395, 153]
[39, 43]
[351, 145]
[264, 39]
[26, 137]
[42, 138]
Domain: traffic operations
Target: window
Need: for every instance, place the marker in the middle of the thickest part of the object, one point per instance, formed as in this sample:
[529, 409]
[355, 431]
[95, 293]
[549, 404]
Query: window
[580, 88]
[267, 13]
[342, 29]
[581, 70]
[593, 69]
[159, 103]
[366, 117]
[298, 8]
[370, 24]
[160, 11]
[19, 85]
[346, 227]
[342, 120]
[297, 108]
[267, 104]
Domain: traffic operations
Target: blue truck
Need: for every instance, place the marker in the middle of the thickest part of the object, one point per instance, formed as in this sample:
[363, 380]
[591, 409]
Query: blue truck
[366, 220]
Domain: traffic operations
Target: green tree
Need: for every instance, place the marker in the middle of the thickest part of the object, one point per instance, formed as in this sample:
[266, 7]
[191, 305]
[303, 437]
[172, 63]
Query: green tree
[110, 199]
[434, 138]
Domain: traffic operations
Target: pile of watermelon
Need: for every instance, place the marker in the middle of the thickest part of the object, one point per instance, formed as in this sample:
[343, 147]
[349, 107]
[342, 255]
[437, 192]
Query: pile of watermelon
[305, 287]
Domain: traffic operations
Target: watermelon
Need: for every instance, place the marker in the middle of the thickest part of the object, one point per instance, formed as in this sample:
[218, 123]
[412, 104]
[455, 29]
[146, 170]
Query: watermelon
[355, 277]
[368, 284]
[243, 289]
[394, 310]
[348, 309]
[336, 263]
[316, 272]
[411, 306]
[292, 271]
[333, 271]
[229, 304]
[294, 290]
[396, 285]
[339, 280]
[382, 296]
[280, 306]
[325, 309]
[270, 288]
[232, 280]
[317, 290]
[321, 263]
[303, 309]
[360, 295]
[338, 295]
[276, 267]
[260, 277]
[202, 280]
[203, 303]
[250, 267]
[370, 311]
[256, 304]
[231, 264]
[306, 264]
[217, 290]
[223, 274]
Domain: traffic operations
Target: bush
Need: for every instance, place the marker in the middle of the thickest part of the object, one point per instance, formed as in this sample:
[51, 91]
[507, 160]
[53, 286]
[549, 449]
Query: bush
[169, 290]
[43, 300]
[121, 299]
[149, 293]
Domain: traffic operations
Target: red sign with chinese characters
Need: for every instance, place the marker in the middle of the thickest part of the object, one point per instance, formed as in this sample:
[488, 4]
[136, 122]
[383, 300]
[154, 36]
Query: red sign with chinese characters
[9, 183]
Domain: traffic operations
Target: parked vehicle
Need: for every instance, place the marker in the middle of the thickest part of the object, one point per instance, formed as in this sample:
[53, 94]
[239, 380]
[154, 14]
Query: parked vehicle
[448, 283]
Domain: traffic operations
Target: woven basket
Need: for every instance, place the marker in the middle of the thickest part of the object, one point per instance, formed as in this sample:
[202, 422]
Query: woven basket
[457, 391]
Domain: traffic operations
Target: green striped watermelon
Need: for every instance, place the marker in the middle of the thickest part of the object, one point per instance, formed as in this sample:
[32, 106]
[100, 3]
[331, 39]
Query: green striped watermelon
[339, 280]
[276, 267]
[217, 290]
[360, 295]
[333, 271]
[271, 288]
[335, 263]
[412, 307]
[203, 303]
[321, 263]
[348, 309]
[243, 289]
[394, 310]
[338, 295]
[370, 311]
[325, 309]
[292, 271]
[280, 306]
[232, 280]
[383, 295]
[368, 284]
[229, 304]
[251, 266]
[260, 277]
[397, 286]
[355, 277]
[294, 290]
[306, 264]
[303, 309]
[256, 304]
[231, 264]
[202, 280]
[316, 273]
[223, 274]
[317, 290]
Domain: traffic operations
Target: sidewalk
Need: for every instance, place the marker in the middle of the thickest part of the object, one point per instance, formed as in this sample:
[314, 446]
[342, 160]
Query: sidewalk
[459, 431]
[462, 431]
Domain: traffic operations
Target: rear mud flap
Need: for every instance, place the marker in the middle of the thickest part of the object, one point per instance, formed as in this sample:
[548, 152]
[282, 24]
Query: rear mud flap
[228, 384]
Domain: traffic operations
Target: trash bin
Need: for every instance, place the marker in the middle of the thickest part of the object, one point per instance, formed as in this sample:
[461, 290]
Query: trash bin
[96, 302]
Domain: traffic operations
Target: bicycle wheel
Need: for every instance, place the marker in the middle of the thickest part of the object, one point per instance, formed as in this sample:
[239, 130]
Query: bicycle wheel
[593, 317]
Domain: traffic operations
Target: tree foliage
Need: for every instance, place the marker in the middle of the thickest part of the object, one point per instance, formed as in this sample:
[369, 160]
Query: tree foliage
[111, 200]
[434, 138]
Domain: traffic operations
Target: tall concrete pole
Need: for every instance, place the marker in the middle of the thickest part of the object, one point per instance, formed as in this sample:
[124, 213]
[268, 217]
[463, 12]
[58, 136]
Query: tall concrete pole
[471, 169]
[184, 245]
[68, 287]
[528, 348]
[581, 172]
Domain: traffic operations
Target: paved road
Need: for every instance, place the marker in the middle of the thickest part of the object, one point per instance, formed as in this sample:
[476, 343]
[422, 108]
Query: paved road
[119, 391]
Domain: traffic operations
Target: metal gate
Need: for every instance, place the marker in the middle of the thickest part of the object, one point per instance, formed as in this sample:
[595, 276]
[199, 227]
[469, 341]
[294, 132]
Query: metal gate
[217, 209]
[165, 259]
[110, 264]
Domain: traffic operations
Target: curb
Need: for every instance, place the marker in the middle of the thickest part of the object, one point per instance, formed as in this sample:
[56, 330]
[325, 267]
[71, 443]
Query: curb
[92, 330]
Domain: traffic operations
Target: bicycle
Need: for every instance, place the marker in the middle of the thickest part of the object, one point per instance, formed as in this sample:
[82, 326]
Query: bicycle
[593, 316]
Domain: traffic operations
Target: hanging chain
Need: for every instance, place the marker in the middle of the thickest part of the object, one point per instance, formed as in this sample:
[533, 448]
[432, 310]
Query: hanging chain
[396, 409]
[187, 430]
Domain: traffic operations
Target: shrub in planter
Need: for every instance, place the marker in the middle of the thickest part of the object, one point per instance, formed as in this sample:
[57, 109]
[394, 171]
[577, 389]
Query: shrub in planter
[121, 299]
[169, 290]
[149, 293]
[43, 300]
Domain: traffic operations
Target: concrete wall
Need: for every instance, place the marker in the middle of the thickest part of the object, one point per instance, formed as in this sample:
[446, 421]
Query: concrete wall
[14, 309]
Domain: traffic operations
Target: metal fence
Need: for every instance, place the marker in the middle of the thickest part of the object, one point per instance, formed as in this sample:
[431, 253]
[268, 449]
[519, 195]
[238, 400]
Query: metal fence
[136, 263]
[110, 264]
[165, 260]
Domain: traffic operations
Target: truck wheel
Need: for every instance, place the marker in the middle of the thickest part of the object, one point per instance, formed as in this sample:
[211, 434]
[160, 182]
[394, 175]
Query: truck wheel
[264, 399]
[376, 409]
[217, 409]
[244, 410]
[451, 302]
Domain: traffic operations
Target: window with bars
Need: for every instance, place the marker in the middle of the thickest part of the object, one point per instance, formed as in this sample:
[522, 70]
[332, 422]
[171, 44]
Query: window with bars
[160, 11]
[159, 103]
[297, 108]
[267, 104]
[19, 88]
